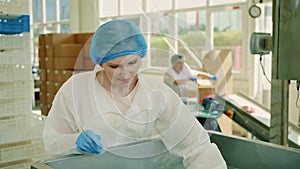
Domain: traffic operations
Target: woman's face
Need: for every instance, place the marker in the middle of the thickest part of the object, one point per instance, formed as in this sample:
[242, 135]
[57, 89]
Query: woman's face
[122, 71]
[178, 67]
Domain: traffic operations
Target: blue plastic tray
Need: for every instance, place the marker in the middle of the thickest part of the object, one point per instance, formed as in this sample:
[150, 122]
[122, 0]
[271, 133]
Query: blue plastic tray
[12, 24]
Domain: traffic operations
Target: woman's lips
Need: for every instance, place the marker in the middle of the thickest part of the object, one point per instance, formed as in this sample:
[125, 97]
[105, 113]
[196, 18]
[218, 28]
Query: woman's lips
[125, 80]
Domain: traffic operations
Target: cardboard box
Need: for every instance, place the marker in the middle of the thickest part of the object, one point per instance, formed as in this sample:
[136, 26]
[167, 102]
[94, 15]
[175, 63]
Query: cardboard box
[59, 75]
[62, 63]
[42, 39]
[43, 86]
[43, 74]
[53, 86]
[219, 62]
[45, 109]
[57, 86]
[67, 50]
[49, 61]
[49, 50]
[58, 38]
[88, 64]
[42, 55]
[42, 63]
[50, 98]
[83, 37]
[42, 51]
[50, 86]
[205, 88]
[205, 91]
[43, 97]
[85, 51]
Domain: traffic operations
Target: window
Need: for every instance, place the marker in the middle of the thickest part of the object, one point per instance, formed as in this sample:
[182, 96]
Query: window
[193, 28]
[191, 31]
[37, 11]
[158, 5]
[224, 2]
[228, 35]
[161, 42]
[127, 8]
[50, 11]
[182, 4]
[48, 17]
[108, 8]
[64, 9]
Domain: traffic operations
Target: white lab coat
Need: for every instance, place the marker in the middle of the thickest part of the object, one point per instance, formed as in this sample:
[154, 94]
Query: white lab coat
[185, 73]
[171, 76]
[82, 103]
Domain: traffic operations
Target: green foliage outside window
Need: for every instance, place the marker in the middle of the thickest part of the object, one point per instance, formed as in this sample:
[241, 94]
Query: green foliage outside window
[194, 40]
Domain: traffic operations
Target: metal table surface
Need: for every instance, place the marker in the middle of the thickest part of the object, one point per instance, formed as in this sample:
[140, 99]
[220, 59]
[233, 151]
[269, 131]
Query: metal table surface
[238, 152]
[148, 154]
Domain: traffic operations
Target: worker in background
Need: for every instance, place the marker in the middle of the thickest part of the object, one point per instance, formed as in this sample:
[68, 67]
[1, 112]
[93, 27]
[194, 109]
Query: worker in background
[115, 104]
[179, 74]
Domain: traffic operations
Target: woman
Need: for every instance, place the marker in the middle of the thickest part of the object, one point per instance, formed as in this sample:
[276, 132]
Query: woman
[179, 74]
[115, 104]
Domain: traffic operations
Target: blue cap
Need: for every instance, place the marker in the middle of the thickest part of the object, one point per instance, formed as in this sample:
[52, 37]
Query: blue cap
[176, 57]
[115, 39]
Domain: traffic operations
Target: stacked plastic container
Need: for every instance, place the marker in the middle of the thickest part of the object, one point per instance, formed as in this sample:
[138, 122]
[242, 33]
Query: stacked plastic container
[20, 130]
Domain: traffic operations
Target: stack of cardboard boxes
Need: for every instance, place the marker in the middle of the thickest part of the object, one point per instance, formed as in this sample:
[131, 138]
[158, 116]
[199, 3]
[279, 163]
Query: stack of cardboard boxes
[219, 62]
[60, 55]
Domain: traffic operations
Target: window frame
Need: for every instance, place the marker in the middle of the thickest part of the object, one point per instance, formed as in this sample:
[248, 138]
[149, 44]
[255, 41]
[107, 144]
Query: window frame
[243, 74]
[44, 24]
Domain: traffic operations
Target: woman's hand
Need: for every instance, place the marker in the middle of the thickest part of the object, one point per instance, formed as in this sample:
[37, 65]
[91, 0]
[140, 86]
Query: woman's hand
[89, 142]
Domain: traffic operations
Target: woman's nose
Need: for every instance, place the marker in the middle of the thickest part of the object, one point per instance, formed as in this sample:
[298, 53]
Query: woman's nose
[125, 73]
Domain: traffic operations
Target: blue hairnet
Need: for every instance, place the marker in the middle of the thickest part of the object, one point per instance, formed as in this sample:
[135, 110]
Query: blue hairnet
[176, 57]
[117, 38]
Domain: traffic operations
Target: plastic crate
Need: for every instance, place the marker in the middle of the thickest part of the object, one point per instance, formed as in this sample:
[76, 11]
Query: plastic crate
[15, 6]
[20, 128]
[21, 144]
[9, 57]
[22, 165]
[12, 107]
[22, 150]
[18, 89]
[14, 24]
[8, 123]
[18, 72]
[13, 42]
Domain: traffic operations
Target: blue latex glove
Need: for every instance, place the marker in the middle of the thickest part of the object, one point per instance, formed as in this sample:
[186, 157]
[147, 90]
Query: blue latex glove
[89, 142]
[193, 78]
[213, 77]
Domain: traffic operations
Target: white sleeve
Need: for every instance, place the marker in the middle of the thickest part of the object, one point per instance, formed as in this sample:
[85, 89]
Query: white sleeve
[187, 71]
[184, 136]
[60, 131]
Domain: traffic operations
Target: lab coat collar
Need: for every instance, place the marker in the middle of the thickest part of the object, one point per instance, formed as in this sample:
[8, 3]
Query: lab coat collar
[140, 102]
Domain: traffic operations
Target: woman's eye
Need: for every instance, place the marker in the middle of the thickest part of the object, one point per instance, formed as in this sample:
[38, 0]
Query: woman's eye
[114, 66]
[133, 62]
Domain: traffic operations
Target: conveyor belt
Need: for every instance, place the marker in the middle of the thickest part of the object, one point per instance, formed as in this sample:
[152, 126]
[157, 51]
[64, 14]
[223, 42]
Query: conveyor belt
[243, 153]
[258, 122]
